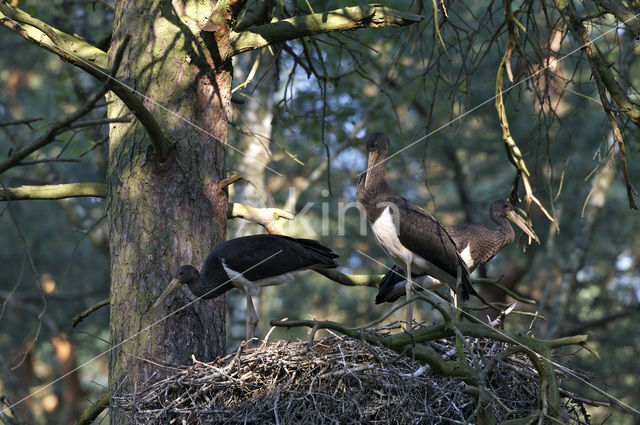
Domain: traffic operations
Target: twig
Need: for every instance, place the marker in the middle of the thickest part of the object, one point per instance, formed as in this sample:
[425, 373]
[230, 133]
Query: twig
[80, 317]
[25, 121]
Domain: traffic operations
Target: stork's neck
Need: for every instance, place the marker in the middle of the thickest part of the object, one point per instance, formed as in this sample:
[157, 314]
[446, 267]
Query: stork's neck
[503, 227]
[376, 180]
[198, 286]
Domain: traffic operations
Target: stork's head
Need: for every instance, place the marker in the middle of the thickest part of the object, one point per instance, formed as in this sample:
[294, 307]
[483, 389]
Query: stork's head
[501, 209]
[184, 275]
[378, 148]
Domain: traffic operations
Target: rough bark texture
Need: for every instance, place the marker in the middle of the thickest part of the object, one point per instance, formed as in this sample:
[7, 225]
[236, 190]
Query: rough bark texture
[162, 215]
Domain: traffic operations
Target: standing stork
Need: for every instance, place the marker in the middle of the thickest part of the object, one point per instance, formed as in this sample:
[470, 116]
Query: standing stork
[406, 232]
[248, 263]
[476, 243]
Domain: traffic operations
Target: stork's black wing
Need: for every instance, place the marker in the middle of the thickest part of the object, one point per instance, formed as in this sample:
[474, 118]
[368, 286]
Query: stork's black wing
[423, 235]
[262, 256]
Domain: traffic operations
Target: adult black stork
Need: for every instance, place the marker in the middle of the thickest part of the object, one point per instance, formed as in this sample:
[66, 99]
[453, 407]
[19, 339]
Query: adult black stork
[476, 243]
[406, 232]
[248, 263]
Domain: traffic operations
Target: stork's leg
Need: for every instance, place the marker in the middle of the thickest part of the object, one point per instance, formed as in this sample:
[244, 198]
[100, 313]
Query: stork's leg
[252, 317]
[409, 292]
[454, 294]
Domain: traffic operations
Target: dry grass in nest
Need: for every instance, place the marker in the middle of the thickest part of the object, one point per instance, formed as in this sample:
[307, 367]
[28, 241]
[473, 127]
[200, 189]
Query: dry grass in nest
[342, 381]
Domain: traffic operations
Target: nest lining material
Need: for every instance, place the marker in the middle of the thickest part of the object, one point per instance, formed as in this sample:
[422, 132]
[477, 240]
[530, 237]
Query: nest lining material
[342, 380]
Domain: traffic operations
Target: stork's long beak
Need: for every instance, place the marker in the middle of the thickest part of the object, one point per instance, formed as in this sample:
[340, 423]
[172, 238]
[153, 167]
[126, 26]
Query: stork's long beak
[175, 284]
[373, 157]
[513, 216]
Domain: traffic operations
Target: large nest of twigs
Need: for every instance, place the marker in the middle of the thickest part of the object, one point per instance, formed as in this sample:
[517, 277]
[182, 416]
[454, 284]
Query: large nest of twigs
[340, 381]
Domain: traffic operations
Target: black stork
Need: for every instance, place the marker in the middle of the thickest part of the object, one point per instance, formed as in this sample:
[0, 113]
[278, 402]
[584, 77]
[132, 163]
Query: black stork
[248, 263]
[406, 232]
[476, 243]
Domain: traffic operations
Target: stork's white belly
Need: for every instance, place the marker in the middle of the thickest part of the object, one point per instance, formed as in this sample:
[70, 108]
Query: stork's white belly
[386, 233]
[253, 287]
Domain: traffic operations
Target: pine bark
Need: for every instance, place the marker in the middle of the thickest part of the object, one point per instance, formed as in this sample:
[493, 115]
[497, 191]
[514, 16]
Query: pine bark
[163, 215]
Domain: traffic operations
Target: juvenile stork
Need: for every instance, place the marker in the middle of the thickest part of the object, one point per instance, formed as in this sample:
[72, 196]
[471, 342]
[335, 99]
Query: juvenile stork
[248, 263]
[476, 243]
[407, 233]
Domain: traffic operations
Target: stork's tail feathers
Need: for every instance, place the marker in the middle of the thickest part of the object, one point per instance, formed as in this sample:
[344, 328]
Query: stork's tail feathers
[321, 255]
[391, 286]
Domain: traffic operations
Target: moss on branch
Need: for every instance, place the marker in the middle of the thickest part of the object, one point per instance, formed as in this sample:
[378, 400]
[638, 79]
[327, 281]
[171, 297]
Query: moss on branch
[94, 61]
[348, 18]
[414, 345]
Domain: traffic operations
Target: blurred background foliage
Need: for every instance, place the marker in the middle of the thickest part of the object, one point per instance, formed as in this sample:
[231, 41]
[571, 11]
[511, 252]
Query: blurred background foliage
[306, 113]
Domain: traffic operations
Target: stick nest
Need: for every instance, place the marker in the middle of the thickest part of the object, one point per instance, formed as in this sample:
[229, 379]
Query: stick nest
[342, 380]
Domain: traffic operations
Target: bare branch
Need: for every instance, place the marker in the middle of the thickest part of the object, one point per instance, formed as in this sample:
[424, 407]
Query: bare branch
[80, 317]
[266, 217]
[90, 59]
[599, 66]
[51, 134]
[348, 18]
[25, 121]
[54, 191]
[371, 281]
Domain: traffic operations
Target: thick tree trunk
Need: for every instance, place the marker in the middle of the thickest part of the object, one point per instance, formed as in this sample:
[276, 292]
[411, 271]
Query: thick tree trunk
[163, 215]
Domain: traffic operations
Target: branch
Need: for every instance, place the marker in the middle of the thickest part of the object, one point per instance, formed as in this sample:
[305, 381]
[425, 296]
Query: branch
[266, 217]
[599, 66]
[51, 134]
[348, 18]
[621, 12]
[90, 59]
[25, 121]
[89, 415]
[351, 279]
[54, 191]
[80, 317]
[602, 321]
[412, 344]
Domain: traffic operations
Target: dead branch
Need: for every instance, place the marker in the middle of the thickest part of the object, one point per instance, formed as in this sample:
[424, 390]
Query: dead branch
[26, 121]
[54, 191]
[80, 317]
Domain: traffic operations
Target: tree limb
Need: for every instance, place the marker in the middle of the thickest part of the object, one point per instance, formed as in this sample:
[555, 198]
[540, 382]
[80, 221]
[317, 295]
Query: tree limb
[599, 66]
[371, 281]
[25, 121]
[348, 18]
[89, 415]
[80, 317]
[54, 191]
[53, 131]
[263, 216]
[602, 321]
[90, 59]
